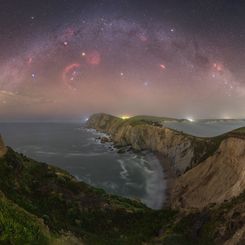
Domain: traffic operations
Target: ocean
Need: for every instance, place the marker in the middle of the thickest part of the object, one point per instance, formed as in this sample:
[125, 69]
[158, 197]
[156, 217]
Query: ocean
[74, 148]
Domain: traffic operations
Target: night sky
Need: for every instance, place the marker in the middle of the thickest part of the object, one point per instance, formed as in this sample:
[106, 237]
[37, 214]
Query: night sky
[66, 59]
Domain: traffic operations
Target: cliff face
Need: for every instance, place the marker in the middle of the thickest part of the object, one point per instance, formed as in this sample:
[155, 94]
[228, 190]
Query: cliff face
[176, 147]
[183, 151]
[218, 178]
[216, 166]
[45, 205]
[3, 149]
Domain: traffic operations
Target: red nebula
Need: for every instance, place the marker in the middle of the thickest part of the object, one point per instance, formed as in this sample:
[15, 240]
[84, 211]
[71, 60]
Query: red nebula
[93, 58]
[68, 70]
[162, 66]
[218, 67]
[68, 75]
[29, 61]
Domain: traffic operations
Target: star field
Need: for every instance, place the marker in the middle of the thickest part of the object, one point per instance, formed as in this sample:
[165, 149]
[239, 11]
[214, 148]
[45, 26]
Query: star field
[65, 59]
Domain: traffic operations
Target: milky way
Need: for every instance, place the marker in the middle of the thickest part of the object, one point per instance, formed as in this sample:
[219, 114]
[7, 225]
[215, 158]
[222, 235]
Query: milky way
[121, 58]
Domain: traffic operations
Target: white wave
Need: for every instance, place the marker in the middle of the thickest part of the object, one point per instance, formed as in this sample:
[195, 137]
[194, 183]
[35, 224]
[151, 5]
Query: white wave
[155, 185]
[47, 153]
[124, 173]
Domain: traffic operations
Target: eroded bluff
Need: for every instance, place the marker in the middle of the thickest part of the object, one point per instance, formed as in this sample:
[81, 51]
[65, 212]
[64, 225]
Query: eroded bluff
[183, 151]
[212, 169]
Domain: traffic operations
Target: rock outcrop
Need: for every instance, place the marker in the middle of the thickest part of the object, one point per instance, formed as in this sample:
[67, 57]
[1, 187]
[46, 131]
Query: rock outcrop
[3, 149]
[183, 151]
[212, 169]
[46, 205]
[218, 178]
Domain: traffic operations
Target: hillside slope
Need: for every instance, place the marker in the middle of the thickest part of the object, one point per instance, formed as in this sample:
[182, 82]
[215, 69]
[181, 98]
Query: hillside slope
[182, 150]
[212, 169]
[17, 226]
[49, 204]
[218, 178]
[41, 204]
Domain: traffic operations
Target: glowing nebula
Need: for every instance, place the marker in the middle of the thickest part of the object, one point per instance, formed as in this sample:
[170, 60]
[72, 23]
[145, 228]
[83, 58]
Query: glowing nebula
[29, 60]
[218, 67]
[93, 58]
[69, 73]
[162, 66]
[138, 58]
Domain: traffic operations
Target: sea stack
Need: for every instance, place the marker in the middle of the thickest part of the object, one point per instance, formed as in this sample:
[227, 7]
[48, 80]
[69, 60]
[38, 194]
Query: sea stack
[3, 148]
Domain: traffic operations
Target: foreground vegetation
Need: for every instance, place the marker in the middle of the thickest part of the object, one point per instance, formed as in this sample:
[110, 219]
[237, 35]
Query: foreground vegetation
[41, 204]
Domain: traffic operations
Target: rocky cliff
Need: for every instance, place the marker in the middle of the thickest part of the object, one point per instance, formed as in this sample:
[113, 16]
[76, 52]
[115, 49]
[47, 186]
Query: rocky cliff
[216, 166]
[42, 204]
[220, 177]
[183, 151]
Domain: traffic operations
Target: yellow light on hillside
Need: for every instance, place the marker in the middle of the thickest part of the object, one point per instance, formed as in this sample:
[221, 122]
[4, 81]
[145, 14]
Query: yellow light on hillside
[190, 119]
[124, 117]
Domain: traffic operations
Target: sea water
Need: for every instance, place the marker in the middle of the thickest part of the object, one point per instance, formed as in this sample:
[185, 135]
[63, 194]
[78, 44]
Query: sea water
[76, 149]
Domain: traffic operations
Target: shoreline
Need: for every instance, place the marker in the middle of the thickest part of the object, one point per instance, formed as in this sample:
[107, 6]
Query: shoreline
[169, 176]
[168, 172]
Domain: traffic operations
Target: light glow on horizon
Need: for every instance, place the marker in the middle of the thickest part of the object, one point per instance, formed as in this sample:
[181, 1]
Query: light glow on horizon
[124, 117]
[190, 119]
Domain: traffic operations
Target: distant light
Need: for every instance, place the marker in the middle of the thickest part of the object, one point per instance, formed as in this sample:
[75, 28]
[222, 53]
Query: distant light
[86, 119]
[190, 119]
[122, 74]
[227, 117]
[65, 43]
[125, 117]
[83, 54]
